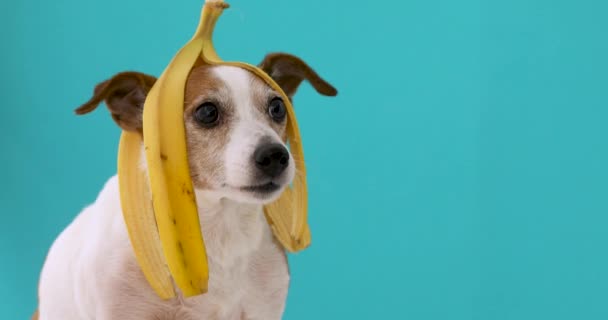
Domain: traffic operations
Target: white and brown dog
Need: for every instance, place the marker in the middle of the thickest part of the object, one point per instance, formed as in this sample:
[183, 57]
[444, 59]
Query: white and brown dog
[235, 126]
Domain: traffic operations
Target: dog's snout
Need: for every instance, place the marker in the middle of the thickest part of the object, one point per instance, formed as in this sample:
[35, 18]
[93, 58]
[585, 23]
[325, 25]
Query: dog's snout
[271, 159]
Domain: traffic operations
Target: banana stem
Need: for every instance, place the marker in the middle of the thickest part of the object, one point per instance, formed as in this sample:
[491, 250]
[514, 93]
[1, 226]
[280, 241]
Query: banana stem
[209, 16]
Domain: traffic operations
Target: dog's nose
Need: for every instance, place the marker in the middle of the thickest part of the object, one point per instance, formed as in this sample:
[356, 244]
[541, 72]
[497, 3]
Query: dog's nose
[271, 159]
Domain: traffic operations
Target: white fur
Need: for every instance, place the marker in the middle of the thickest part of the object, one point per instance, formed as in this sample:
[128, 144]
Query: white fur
[91, 271]
[248, 132]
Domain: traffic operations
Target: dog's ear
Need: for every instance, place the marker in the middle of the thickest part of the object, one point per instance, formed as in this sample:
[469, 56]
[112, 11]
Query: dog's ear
[289, 71]
[124, 94]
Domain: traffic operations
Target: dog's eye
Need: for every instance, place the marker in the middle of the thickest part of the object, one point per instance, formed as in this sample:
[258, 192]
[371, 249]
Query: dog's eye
[277, 109]
[207, 114]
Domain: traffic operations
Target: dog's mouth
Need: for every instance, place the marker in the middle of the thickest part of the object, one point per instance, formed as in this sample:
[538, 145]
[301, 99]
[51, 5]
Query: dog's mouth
[265, 188]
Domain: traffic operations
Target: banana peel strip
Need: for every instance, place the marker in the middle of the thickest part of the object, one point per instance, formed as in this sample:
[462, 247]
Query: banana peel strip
[138, 214]
[288, 215]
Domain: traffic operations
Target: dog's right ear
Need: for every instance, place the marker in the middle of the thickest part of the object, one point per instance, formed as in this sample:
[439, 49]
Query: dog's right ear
[288, 71]
[124, 94]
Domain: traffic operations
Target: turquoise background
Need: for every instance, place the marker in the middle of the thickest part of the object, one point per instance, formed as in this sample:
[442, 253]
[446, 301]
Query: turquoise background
[461, 173]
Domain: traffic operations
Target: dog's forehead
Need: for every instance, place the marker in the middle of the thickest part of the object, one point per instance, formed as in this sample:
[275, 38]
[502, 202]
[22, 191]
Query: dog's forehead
[236, 79]
[246, 89]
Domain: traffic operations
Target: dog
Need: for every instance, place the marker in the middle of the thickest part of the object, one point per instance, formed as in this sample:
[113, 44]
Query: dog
[235, 127]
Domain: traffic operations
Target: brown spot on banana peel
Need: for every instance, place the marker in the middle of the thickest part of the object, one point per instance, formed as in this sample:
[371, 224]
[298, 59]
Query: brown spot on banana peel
[191, 196]
[188, 191]
[163, 157]
[181, 252]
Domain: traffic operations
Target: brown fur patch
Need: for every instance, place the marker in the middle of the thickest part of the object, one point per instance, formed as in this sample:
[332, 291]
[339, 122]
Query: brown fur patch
[206, 145]
[261, 95]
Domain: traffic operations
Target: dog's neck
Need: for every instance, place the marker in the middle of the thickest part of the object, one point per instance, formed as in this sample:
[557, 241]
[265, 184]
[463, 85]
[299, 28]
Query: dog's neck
[231, 230]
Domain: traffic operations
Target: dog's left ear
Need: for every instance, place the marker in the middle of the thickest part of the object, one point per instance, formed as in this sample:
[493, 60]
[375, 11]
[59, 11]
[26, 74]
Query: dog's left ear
[124, 95]
[289, 71]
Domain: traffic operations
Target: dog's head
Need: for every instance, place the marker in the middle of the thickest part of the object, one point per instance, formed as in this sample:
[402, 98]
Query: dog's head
[235, 123]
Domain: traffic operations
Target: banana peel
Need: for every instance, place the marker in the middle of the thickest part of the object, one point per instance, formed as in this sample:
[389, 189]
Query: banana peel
[287, 216]
[159, 205]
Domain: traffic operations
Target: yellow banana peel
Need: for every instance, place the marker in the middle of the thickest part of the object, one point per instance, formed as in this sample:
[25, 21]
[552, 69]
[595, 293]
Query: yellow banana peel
[138, 213]
[159, 205]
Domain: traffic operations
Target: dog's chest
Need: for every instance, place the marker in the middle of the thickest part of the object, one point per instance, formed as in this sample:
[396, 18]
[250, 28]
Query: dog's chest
[248, 269]
[236, 294]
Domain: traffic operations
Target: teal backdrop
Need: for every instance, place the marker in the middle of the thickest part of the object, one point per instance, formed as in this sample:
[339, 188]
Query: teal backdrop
[461, 173]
